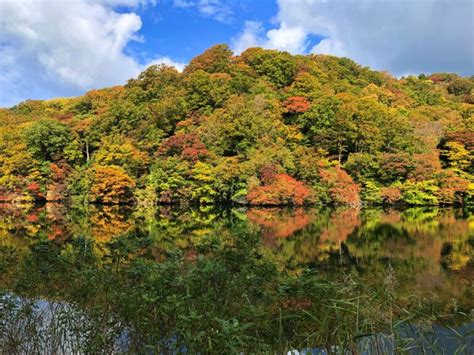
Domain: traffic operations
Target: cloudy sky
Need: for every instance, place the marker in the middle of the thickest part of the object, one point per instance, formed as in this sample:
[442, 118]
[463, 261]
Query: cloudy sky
[51, 48]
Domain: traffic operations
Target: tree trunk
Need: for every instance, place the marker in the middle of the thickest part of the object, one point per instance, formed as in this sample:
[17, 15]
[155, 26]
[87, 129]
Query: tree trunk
[87, 151]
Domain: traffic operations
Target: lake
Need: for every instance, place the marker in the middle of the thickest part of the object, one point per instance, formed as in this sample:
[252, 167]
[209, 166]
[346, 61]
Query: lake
[110, 279]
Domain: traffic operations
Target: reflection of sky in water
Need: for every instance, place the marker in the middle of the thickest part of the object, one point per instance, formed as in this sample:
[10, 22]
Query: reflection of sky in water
[49, 327]
[436, 340]
[57, 327]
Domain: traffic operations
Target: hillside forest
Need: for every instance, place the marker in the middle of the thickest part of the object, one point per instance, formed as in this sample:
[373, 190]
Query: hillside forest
[261, 128]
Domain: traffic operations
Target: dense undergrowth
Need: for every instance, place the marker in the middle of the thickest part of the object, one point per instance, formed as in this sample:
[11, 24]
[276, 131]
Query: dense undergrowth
[262, 128]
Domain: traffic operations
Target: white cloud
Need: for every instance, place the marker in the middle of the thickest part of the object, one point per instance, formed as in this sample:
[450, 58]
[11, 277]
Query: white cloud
[168, 61]
[50, 48]
[251, 36]
[285, 38]
[126, 3]
[291, 38]
[184, 3]
[216, 9]
[219, 10]
[402, 36]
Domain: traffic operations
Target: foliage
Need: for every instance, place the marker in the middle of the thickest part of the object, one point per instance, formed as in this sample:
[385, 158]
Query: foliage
[340, 186]
[296, 104]
[347, 133]
[46, 139]
[117, 151]
[187, 146]
[216, 59]
[170, 179]
[278, 67]
[420, 193]
[279, 189]
[111, 184]
[457, 156]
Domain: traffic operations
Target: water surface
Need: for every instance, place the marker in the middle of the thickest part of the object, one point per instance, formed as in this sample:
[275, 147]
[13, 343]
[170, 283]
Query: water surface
[114, 279]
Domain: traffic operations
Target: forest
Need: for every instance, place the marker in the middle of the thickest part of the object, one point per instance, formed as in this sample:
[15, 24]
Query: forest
[261, 128]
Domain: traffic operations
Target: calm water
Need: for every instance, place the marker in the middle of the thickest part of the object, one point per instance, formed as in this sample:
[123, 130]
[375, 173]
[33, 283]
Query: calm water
[216, 280]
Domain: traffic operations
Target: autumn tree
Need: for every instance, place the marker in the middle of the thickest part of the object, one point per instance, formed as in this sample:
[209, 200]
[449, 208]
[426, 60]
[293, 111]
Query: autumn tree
[296, 104]
[119, 151]
[282, 189]
[187, 146]
[216, 59]
[340, 186]
[111, 185]
[264, 126]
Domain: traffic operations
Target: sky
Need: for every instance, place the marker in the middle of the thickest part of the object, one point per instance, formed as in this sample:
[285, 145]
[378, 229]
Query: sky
[62, 48]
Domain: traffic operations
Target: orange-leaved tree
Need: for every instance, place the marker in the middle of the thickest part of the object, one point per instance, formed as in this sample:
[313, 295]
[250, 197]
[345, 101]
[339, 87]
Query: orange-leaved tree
[297, 104]
[111, 185]
[278, 189]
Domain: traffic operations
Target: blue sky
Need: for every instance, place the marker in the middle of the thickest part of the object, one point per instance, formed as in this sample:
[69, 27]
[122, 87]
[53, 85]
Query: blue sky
[59, 48]
[189, 33]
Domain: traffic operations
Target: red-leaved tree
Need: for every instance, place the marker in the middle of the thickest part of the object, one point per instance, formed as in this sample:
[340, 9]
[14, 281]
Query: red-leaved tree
[342, 189]
[187, 146]
[282, 190]
[297, 104]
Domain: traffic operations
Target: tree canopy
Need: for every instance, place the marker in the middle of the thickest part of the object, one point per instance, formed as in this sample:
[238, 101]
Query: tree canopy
[263, 127]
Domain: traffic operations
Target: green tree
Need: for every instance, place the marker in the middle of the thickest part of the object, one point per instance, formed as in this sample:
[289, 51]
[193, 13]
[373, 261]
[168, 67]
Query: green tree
[419, 193]
[460, 86]
[46, 139]
[278, 67]
[152, 83]
[170, 179]
[205, 92]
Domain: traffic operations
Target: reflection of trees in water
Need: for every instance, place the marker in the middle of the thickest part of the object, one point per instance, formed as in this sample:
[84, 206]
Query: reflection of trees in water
[53, 327]
[303, 235]
[416, 243]
[278, 223]
[340, 225]
[420, 244]
[57, 222]
[22, 226]
[151, 268]
[173, 230]
[295, 238]
[413, 233]
[457, 255]
[108, 222]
